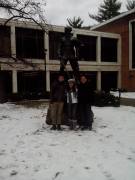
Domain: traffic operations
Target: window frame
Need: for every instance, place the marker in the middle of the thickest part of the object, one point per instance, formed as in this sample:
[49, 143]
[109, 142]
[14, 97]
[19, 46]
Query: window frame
[24, 32]
[130, 46]
[103, 58]
[8, 52]
[88, 59]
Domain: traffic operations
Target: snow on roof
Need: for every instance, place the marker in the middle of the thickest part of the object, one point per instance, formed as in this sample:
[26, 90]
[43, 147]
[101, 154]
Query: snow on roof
[114, 19]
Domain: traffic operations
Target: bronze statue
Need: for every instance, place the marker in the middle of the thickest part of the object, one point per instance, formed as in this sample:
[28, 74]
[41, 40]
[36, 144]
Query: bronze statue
[69, 51]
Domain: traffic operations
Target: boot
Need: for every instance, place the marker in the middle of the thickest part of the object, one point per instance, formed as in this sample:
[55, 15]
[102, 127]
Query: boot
[74, 124]
[71, 124]
[84, 128]
[53, 127]
[90, 127]
[59, 127]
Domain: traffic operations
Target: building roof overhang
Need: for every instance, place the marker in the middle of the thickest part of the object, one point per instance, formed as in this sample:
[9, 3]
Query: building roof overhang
[113, 19]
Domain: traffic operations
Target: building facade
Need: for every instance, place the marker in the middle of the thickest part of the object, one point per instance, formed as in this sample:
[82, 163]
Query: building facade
[29, 60]
[124, 25]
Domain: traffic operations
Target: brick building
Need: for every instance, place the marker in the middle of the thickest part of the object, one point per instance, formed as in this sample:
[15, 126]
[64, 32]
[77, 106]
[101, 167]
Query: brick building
[124, 24]
[25, 68]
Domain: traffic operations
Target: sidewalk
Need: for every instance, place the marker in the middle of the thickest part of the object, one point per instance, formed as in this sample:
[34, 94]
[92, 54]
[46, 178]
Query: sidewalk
[128, 102]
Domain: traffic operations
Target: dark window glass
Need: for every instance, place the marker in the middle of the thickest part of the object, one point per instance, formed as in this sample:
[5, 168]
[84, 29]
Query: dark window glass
[5, 44]
[53, 76]
[29, 43]
[133, 45]
[108, 80]
[109, 50]
[54, 43]
[31, 82]
[5, 83]
[87, 49]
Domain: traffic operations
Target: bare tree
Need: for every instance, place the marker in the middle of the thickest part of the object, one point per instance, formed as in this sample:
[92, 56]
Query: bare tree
[25, 10]
[30, 10]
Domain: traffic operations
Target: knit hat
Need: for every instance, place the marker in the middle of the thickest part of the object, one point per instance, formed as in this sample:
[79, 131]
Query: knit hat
[71, 80]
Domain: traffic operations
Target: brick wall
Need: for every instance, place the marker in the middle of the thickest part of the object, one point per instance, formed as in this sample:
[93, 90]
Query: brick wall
[121, 27]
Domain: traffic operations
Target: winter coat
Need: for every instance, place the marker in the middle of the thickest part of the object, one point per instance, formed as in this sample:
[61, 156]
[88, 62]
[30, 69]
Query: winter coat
[85, 93]
[72, 97]
[57, 92]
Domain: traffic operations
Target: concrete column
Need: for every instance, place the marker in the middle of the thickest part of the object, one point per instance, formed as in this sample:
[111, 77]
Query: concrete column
[99, 80]
[14, 81]
[47, 80]
[46, 46]
[119, 79]
[74, 33]
[98, 49]
[130, 46]
[13, 42]
[119, 51]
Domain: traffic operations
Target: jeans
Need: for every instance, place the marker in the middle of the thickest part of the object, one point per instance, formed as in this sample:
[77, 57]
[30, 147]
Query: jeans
[72, 111]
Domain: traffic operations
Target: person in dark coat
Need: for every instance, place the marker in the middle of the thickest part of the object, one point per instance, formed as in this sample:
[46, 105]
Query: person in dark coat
[85, 99]
[57, 99]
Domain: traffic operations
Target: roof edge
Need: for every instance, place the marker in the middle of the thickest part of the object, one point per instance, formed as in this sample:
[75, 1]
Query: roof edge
[113, 19]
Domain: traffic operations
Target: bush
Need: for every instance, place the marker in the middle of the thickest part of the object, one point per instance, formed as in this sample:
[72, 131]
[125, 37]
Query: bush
[106, 99]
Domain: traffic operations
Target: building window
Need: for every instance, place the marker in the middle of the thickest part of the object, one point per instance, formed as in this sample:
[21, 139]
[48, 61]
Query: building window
[109, 50]
[30, 43]
[88, 48]
[133, 44]
[5, 82]
[109, 80]
[5, 44]
[54, 43]
[31, 82]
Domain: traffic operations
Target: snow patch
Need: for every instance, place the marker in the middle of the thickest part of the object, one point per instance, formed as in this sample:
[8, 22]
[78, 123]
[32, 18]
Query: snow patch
[29, 150]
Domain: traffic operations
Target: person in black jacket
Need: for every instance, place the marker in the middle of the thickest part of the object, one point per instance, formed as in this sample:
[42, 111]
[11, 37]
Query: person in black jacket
[57, 98]
[85, 99]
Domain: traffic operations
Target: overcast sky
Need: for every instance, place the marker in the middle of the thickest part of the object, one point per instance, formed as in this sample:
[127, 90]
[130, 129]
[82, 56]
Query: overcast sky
[57, 11]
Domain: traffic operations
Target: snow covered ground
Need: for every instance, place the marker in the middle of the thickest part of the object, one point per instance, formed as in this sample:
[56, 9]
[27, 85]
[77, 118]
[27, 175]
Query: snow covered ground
[130, 95]
[30, 152]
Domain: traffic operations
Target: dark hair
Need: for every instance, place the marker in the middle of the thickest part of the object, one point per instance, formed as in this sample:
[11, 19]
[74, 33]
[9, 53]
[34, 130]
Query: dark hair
[73, 88]
[61, 74]
[84, 75]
